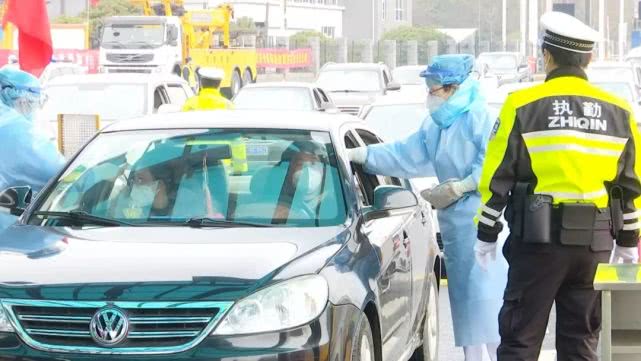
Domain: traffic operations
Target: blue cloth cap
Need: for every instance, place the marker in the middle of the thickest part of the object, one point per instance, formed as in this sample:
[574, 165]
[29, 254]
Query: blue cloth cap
[448, 69]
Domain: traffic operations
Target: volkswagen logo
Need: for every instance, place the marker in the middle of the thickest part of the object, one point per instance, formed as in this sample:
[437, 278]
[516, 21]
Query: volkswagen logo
[109, 326]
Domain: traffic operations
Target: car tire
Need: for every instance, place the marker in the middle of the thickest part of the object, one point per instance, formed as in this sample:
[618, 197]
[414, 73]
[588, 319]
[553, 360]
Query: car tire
[236, 83]
[363, 343]
[429, 349]
[247, 77]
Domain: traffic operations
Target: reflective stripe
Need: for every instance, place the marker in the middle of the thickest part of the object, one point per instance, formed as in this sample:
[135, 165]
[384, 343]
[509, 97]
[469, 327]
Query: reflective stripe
[486, 221]
[632, 226]
[575, 134]
[490, 211]
[581, 196]
[576, 148]
[628, 216]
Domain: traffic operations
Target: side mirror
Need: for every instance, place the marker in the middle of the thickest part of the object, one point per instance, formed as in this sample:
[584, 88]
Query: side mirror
[169, 108]
[393, 86]
[391, 200]
[172, 34]
[15, 199]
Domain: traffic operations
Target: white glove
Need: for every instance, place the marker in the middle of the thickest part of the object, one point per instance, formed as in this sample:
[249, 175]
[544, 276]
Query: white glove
[484, 252]
[357, 155]
[448, 192]
[625, 254]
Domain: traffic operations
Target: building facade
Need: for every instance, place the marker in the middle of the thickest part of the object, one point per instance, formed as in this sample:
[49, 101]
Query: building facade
[370, 19]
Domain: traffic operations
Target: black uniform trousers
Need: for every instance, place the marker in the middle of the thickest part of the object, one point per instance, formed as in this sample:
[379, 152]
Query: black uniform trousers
[540, 275]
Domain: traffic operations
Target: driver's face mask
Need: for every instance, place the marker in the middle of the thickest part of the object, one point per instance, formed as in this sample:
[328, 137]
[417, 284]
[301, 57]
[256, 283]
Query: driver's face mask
[143, 195]
[310, 180]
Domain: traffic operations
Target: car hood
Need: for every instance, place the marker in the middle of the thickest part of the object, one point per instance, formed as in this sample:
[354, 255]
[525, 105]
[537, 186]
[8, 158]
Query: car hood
[155, 262]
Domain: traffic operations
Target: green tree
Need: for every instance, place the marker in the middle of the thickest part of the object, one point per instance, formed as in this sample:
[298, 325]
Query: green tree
[68, 20]
[303, 37]
[244, 24]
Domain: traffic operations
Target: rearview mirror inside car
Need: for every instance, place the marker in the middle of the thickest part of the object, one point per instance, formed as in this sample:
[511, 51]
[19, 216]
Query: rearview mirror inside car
[391, 200]
[16, 199]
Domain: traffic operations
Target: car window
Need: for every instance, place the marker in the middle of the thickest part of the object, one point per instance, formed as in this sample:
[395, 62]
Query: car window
[365, 183]
[317, 98]
[324, 96]
[272, 177]
[354, 80]
[160, 97]
[385, 77]
[177, 94]
[370, 138]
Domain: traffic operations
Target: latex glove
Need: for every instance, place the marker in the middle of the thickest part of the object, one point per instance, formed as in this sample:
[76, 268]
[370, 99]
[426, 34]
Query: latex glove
[484, 252]
[625, 254]
[448, 192]
[357, 155]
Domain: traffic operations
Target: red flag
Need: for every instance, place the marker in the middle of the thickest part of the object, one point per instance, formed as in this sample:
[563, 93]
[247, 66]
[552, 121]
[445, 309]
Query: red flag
[34, 33]
[94, 3]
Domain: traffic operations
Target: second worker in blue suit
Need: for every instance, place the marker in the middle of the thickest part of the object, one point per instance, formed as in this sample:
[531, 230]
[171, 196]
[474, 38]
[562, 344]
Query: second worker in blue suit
[453, 140]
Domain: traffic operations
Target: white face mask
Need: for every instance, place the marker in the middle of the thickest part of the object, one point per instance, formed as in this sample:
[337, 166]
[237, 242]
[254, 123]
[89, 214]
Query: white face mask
[311, 181]
[434, 102]
[143, 195]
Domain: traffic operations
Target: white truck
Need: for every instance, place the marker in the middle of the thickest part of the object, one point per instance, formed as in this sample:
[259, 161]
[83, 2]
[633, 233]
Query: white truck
[141, 44]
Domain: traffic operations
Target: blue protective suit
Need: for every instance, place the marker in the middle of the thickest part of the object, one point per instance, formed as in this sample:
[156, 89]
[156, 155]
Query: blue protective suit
[28, 158]
[456, 150]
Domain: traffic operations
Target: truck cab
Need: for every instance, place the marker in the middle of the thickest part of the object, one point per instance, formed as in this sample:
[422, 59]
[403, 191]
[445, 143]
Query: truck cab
[141, 44]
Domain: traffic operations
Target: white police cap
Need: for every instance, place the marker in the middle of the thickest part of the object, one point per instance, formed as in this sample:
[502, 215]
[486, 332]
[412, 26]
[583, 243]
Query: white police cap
[568, 33]
[211, 73]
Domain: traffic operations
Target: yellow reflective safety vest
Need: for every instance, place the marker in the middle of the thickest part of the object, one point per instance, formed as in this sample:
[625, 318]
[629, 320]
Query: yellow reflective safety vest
[568, 139]
[207, 99]
[211, 99]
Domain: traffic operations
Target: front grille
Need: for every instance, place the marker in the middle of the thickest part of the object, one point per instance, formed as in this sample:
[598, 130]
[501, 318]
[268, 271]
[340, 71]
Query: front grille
[130, 70]
[129, 58]
[161, 327]
[353, 110]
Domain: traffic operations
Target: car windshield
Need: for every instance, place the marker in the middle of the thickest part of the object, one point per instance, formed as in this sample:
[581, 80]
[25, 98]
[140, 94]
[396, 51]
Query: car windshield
[170, 177]
[350, 80]
[384, 119]
[98, 99]
[128, 36]
[272, 98]
[499, 61]
[622, 90]
[408, 76]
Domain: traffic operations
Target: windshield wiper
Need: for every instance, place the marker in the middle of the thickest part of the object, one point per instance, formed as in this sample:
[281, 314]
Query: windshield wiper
[213, 222]
[83, 216]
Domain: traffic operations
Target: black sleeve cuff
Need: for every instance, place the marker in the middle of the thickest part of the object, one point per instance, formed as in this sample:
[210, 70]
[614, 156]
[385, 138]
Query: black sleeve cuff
[489, 234]
[628, 238]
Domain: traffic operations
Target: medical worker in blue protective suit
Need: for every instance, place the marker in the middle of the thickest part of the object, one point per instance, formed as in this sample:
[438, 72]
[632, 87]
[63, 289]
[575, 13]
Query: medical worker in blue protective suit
[27, 158]
[453, 139]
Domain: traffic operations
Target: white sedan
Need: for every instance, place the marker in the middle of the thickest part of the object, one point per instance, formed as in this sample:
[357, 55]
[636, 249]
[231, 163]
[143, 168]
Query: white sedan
[283, 96]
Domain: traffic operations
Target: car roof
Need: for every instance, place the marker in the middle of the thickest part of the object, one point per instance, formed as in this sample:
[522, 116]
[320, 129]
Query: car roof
[259, 119]
[355, 66]
[127, 78]
[281, 84]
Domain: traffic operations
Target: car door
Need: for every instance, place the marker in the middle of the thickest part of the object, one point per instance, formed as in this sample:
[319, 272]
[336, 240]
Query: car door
[417, 231]
[390, 238]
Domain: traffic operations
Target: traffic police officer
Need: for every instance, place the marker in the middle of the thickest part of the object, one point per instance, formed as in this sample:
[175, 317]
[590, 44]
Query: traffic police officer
[563, 158]
[209, 97]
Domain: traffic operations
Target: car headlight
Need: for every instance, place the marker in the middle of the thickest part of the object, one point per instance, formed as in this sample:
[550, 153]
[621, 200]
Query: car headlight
[285, 305]
[5, 324]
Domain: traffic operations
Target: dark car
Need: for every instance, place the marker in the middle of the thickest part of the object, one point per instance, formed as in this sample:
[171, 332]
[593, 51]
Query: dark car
[151, 245]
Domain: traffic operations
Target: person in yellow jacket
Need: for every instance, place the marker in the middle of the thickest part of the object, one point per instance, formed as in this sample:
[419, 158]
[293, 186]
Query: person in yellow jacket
[189, 74]
[209, 97]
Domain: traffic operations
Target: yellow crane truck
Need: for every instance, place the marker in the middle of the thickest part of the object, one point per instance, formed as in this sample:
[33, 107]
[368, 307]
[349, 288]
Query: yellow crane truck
[160, 41]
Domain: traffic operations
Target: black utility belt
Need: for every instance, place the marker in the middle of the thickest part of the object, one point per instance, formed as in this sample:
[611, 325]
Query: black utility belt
[570, 224]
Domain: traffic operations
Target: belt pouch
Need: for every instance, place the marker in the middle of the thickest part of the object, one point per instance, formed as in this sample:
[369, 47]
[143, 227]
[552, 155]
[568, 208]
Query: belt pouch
[537, 217]
[577, 224]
